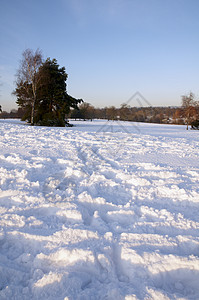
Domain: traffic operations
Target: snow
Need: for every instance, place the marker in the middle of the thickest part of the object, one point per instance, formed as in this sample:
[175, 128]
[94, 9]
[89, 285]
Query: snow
[101, 210]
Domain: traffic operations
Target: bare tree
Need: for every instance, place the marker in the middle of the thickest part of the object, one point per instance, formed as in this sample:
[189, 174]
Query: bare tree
[27, 77]
[189, 106]
[111, 113]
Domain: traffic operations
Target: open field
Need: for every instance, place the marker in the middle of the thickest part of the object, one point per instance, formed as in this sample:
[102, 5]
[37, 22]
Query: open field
[102, 210]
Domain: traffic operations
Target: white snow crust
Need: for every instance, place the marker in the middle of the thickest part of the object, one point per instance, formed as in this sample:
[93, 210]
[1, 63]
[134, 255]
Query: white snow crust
[101, 210]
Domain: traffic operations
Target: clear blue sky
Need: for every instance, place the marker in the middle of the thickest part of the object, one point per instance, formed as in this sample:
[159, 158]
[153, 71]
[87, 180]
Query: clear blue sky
[110, 48]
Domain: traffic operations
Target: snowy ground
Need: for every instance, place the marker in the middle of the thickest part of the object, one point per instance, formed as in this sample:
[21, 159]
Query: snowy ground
[101, 210]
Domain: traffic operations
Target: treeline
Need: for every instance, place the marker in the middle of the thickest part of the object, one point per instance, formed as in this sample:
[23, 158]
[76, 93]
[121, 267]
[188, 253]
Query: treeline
[162, 115]
[187, 113]
[13, 114]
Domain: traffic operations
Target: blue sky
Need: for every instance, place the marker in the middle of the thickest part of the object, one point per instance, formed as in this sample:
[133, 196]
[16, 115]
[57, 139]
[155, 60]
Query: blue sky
[110, 48]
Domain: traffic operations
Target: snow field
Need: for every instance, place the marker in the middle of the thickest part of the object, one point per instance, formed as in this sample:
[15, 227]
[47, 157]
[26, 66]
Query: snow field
[102, 210]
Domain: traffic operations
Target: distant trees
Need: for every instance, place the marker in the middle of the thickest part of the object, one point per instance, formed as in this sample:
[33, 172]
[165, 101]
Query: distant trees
[85, 112]
[128, 113]
[41, 90]
[125, 112]
[186, 114]
[13, 114]
[111, 113]
[0, 109]
[189, 108]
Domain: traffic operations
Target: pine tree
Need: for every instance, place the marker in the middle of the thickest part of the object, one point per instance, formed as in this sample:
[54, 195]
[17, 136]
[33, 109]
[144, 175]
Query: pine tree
[54, 102]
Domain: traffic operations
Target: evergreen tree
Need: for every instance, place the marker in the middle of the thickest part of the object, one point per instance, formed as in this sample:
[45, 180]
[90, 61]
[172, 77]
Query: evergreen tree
[53, 101]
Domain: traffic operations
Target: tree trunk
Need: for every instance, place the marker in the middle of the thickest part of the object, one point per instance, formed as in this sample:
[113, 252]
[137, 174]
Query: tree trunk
[32, 113]
[33, 103]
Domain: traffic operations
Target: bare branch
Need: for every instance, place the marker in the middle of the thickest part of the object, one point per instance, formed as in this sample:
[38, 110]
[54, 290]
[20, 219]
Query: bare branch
[27, 76]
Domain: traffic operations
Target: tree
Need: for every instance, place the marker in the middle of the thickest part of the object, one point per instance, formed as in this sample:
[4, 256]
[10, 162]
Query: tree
[41, 90]
[125, 112]
[178, 116]
[189, 106]
[28, 80]
[54, 102]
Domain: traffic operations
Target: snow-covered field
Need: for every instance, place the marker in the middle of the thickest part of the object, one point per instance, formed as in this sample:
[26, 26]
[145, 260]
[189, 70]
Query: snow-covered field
[102, 210]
